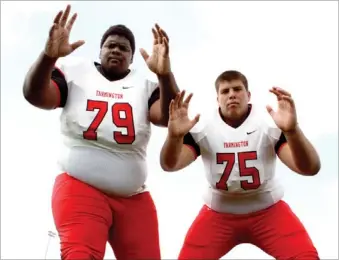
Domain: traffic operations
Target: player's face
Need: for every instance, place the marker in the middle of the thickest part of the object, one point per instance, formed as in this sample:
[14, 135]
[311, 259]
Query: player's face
[233, 99]
[116, 54]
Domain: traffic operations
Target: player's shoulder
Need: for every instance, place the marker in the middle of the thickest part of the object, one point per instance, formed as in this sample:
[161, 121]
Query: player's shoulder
[73, 62]
[138, 75]
[150, 80]
[142, 73]
[143, 78]
[74, 67]
[265, 122]
[201, 129]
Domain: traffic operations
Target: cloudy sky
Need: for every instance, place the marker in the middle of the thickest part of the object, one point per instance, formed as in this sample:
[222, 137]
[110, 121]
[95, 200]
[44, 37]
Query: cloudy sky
[290, 44]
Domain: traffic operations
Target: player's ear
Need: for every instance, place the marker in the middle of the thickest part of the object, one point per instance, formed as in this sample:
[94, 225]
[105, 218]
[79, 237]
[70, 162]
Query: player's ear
[249, 95]
[100, 54]
[218, 100]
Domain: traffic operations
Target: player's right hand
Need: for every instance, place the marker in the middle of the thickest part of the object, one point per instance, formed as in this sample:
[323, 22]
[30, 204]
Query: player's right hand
[58, 44]
[179, 124]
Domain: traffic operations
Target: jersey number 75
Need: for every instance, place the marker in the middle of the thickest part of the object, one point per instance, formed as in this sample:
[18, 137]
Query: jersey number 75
[253, 172]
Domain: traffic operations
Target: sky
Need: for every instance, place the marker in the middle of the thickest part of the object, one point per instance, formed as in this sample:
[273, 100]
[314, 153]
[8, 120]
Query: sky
[293, 45]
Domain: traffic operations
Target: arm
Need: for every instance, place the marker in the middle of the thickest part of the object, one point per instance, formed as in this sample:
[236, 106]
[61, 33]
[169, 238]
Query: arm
[38, 89]
[299, 154]
[45, 86]
[159, 111]
[159, 63]
[177, 153]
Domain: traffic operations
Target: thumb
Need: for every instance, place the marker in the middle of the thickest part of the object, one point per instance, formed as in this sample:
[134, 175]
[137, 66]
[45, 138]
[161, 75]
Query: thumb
[144, 54]
[195, 120]
[77, 44]
[270, 110]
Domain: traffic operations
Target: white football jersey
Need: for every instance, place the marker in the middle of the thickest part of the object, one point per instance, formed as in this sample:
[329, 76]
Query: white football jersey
[239, 163]
[105, 128]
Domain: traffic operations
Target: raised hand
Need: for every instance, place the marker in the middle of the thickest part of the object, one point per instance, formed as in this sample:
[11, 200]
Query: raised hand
[159, 61]
[58, 44]
[179, 124]
[286, 116]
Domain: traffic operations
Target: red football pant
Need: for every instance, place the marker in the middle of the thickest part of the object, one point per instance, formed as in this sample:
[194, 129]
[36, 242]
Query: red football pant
[86, 219]
[276, 230]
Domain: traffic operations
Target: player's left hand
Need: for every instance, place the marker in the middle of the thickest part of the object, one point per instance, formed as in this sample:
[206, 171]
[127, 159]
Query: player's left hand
[159, 61]
[286, 116]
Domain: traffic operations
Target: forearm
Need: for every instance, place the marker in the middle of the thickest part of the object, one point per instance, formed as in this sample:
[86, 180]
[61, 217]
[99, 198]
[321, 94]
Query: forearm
[168, 90]
[38, 77]
[304, 154]
[170, 152]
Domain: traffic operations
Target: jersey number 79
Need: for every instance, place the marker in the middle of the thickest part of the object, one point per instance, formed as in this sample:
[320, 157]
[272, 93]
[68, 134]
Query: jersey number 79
[126, 121]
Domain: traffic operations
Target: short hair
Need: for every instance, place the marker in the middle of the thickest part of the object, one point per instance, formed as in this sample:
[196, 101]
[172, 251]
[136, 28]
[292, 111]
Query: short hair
[120, 30]
[230, 75]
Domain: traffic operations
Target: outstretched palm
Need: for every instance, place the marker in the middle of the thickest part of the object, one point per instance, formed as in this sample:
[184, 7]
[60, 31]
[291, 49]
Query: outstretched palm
[159, 61]
[285, 117]
[58, 44]
[179, 124]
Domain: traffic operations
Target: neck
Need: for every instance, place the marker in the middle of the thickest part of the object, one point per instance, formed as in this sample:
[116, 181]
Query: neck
[112, 76]
[236, 122]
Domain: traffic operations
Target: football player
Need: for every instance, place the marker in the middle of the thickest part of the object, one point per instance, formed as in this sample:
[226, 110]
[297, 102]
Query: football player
[107, 109]
[239, 146]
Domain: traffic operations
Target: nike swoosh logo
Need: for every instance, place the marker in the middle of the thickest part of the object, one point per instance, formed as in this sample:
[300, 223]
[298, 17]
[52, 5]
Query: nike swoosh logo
[126, 87]
[251, 132]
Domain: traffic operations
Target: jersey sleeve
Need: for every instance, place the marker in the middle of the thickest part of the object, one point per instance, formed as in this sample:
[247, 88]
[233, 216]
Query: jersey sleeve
[154, 97]
[153, 92]
[196, 135]
[59, 81]
[274, 133]
[63, 73]
[199, 131]
[281, 142]
[189, 142]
